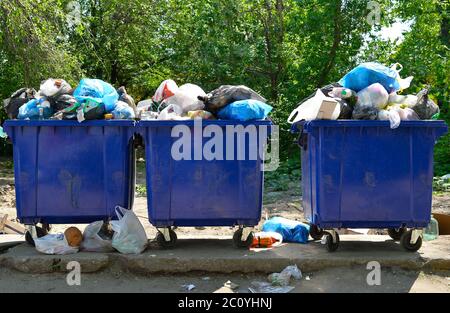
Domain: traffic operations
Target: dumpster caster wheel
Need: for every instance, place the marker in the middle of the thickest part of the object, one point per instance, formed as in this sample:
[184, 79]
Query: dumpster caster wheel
[396, 234]
[162, 242]
[41, 232]
[237, 239]
[315, 232]
[331, 246]
[406, 242]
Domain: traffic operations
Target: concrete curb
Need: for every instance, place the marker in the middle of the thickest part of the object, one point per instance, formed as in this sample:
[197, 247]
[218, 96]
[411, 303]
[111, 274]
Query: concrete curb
[219, 256]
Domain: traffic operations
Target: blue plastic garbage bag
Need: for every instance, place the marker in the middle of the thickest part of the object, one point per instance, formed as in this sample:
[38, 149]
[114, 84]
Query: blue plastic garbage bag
[123, 111]
[370, 73]
[33, 108]
[2, 133]
[245, 110]
[97, 90]
[292, 231]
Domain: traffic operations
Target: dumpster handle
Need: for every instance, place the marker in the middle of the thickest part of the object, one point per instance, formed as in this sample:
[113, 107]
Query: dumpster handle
[302, 140]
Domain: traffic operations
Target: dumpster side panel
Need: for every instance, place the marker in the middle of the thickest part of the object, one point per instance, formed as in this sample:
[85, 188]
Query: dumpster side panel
[198, 191]
[363, 174]
[70, 173]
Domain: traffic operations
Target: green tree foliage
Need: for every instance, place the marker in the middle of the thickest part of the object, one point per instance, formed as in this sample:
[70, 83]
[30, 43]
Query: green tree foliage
[284, 49]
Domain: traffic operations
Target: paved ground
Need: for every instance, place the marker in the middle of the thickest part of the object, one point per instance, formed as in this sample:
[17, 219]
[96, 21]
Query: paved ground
[220, 256]
[332, 280]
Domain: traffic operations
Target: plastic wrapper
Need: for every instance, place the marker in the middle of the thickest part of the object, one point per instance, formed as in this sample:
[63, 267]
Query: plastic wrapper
[227, 94]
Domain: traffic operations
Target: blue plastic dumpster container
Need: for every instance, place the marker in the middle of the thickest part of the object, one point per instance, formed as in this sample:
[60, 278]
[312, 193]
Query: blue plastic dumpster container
[202, 192]
[68, 173]
[362, 174]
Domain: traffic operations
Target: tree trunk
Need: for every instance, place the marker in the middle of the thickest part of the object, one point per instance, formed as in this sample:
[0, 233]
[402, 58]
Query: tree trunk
[335, 47]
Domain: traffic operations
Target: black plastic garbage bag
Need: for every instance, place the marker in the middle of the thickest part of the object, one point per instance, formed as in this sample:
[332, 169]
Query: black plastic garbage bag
[227, 94]
[362, 112]
[17, 99]
[425, 107]
[63, 102]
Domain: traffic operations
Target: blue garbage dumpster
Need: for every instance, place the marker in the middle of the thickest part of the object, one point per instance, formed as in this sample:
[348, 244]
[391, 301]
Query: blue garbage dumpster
[68, 173]
[362, 174]
[197, 189]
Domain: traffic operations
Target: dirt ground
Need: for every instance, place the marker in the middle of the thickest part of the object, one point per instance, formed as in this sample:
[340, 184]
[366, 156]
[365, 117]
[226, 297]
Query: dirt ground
[340, 280]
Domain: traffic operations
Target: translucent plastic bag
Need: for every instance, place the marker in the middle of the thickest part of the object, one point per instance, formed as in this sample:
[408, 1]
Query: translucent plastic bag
[123, 111]
[97, 90]
[35, 109]
[367, 74]
[92, 242]
[227, 94]
[373, 96]
[172, 113]
[187, 98]
[54, 244]
[54, 88]
[284, 278]
[129, 234]
[167, 89]
[245, 110]
[425, 107]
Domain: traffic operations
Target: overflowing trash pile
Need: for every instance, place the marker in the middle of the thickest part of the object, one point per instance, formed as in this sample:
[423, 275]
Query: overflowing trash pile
[125, 235]
[190, 101]
[371, 91]
[94, 99]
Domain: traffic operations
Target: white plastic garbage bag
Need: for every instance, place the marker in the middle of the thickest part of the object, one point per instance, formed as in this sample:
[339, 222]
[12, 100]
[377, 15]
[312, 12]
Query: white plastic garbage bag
[172, 113]
[92, 242]
[54, 244]
[129, 234]
[166, 90]
[54, 87]
[187, 98]
[319, 107]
